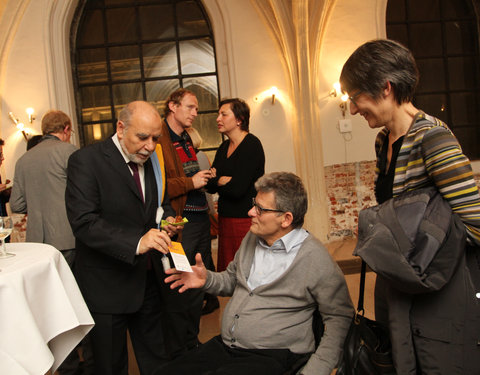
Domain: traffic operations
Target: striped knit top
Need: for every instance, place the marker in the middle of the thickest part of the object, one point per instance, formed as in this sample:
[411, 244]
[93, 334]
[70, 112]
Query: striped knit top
[430, 155]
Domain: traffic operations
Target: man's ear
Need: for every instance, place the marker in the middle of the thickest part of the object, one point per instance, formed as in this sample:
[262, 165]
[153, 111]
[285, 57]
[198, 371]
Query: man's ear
[287, 219]
[120, 129]
[387, 89]
[172, 106]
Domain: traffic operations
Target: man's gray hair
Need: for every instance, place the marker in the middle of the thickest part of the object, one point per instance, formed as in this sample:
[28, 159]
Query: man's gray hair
[290, 194]
[124, 116]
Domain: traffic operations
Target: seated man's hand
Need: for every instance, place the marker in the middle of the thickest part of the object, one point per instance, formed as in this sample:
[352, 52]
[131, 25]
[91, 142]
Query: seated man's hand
[154, 239]
[188, 280]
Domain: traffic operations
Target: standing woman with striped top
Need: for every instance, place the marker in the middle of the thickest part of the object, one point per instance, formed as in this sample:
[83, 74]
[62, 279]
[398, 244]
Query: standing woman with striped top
[414, 150]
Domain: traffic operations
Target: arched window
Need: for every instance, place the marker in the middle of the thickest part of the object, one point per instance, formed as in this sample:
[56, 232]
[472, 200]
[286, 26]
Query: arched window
[443, 36]
[124, 50]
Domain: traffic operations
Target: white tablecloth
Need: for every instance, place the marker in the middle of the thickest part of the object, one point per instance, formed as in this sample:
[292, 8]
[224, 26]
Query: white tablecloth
[42, 313]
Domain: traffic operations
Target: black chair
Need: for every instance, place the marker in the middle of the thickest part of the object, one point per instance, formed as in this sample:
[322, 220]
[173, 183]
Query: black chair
[318, 328]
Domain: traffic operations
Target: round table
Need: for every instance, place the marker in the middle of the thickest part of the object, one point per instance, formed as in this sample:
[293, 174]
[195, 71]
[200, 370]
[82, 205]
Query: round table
[43, 315]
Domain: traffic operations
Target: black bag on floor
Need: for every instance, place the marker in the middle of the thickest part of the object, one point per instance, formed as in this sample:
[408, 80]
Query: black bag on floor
[367, 349]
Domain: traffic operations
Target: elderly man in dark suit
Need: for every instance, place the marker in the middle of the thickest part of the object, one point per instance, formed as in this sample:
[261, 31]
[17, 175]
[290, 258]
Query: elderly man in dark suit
[113, 208]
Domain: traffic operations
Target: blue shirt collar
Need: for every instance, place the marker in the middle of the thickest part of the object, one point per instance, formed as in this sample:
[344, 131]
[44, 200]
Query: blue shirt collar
[288, 241]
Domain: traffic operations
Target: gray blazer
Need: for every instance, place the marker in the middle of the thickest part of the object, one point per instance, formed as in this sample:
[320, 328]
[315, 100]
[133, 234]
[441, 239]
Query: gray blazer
[39, 190]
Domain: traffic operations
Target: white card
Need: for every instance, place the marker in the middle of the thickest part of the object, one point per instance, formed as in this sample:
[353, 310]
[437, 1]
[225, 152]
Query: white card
[179, 258]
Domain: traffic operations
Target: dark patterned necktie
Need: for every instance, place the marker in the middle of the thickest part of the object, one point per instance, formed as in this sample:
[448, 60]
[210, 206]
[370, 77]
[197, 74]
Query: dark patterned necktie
[136, 177]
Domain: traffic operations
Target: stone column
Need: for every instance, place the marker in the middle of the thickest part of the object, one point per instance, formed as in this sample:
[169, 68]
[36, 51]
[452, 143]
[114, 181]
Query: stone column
[297, 26]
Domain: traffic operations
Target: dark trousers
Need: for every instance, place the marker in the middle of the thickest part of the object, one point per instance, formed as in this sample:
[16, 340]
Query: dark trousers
[215, 358]
[182, 312]
[196, 239]
[109, 336]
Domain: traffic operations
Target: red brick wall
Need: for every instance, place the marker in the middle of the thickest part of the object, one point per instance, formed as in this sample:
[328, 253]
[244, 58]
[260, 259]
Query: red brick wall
[349, 189]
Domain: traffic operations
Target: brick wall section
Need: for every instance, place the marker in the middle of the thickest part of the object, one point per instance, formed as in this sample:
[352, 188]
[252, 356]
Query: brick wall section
[350, 189]
[19, 228]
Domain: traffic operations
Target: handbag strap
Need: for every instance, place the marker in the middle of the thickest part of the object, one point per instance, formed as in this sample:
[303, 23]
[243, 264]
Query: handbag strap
[362, 288]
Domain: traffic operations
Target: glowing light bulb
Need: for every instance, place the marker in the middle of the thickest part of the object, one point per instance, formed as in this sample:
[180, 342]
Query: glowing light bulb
[274, 92]
[337, 88]
[30, 111]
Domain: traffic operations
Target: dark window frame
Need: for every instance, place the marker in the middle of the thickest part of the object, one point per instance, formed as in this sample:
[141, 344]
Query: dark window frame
[468, 132]
[99, 5]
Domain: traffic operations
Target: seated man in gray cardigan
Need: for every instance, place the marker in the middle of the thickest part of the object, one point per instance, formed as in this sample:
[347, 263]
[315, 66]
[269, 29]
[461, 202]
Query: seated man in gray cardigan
[279, 276]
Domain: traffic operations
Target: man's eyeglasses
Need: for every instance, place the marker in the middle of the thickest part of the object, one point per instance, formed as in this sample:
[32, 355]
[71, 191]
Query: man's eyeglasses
[260, 210]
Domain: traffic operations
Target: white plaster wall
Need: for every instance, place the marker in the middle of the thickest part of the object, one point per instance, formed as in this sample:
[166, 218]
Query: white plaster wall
[253, 65]
[351, 24]
[25, 81]
[35, 68]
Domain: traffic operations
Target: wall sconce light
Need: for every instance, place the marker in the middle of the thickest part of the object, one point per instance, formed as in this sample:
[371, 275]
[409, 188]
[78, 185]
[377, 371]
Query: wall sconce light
[337, 91]
[343, 104]
[31, 114]
[19, 125]
[274, 92]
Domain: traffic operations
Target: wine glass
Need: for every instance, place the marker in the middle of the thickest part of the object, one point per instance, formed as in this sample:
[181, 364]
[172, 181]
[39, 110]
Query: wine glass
[6, 227]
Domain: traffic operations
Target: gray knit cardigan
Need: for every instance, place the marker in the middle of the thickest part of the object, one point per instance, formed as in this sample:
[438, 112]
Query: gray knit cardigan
[279, 314]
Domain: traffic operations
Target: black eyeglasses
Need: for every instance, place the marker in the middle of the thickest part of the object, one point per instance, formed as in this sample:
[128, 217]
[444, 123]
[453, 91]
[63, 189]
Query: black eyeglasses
[260, 210]
[352, 98]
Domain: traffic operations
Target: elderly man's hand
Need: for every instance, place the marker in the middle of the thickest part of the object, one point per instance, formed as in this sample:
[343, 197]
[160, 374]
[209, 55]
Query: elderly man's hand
[172, 230]
[154, 239]
[188, 280]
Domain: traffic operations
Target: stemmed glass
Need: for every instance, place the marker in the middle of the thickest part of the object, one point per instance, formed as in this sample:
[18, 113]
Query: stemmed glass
[6, 227]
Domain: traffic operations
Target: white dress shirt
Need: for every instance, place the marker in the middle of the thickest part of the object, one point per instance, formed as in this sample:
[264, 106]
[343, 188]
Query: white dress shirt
[141, 169]
[141, 173]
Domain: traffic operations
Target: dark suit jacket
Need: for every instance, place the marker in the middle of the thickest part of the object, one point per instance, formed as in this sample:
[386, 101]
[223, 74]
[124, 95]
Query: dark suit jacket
[108, 219]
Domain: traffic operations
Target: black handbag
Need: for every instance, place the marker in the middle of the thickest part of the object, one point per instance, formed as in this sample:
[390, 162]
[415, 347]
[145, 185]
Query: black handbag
[367, 349]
